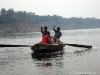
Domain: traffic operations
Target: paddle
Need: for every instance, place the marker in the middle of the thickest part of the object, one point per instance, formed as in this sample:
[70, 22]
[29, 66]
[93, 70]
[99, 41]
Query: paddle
[8, 45]
[79, 45]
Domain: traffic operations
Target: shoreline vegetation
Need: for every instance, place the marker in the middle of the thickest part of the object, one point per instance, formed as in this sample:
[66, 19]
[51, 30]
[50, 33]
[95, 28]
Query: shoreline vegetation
[21, 21]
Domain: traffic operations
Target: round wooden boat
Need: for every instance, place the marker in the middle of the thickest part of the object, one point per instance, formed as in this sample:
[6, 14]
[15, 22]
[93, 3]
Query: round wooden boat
[47, 48]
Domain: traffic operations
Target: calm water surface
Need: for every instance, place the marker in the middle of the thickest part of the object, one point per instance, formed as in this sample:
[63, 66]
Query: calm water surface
[72, 61]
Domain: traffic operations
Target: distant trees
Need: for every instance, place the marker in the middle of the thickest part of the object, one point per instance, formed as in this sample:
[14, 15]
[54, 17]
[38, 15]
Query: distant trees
[10, 16]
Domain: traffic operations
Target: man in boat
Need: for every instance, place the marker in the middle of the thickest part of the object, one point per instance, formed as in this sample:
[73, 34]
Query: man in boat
[46, 38]
[44, 31]
[58, 34]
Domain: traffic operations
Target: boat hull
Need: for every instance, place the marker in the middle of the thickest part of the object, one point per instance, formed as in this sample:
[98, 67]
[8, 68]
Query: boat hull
[47, 48]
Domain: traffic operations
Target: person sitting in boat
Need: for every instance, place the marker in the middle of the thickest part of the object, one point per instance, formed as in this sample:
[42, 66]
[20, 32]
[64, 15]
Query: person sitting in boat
[58, 34]
[44, 31]
[46, 38]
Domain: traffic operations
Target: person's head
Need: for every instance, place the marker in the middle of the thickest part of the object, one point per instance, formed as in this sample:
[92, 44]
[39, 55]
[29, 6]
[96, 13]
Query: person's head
[45, 28]
[58, 28]
[48, 33]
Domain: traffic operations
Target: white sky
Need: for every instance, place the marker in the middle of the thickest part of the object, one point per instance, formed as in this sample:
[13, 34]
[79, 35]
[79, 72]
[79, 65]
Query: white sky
[64, 8]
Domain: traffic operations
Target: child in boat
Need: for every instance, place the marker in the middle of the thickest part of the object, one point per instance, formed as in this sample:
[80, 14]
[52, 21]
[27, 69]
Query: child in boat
[44, 31]
[58, 34]
[46, 38]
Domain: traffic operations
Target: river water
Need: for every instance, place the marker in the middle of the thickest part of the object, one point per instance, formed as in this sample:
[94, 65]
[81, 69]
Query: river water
[71, 61]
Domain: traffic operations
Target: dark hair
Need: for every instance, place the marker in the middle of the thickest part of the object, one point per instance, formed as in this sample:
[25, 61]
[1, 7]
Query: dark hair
[48, 32]
[45, 27]
[58, 27]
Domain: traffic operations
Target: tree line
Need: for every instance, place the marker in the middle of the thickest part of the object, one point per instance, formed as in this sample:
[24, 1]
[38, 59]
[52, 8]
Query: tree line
[10, 16]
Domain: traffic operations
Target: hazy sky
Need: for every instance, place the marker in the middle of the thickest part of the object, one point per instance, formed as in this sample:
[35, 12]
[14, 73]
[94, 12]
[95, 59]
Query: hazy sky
[64, 8]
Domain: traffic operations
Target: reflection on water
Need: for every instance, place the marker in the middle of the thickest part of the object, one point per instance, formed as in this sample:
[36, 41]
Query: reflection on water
[49, 59]
[56, 59]
[40, 56]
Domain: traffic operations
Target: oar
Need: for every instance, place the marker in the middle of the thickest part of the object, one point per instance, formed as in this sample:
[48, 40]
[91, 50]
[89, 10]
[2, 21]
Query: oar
[8, 45]
[79, 45]
[75, 45]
